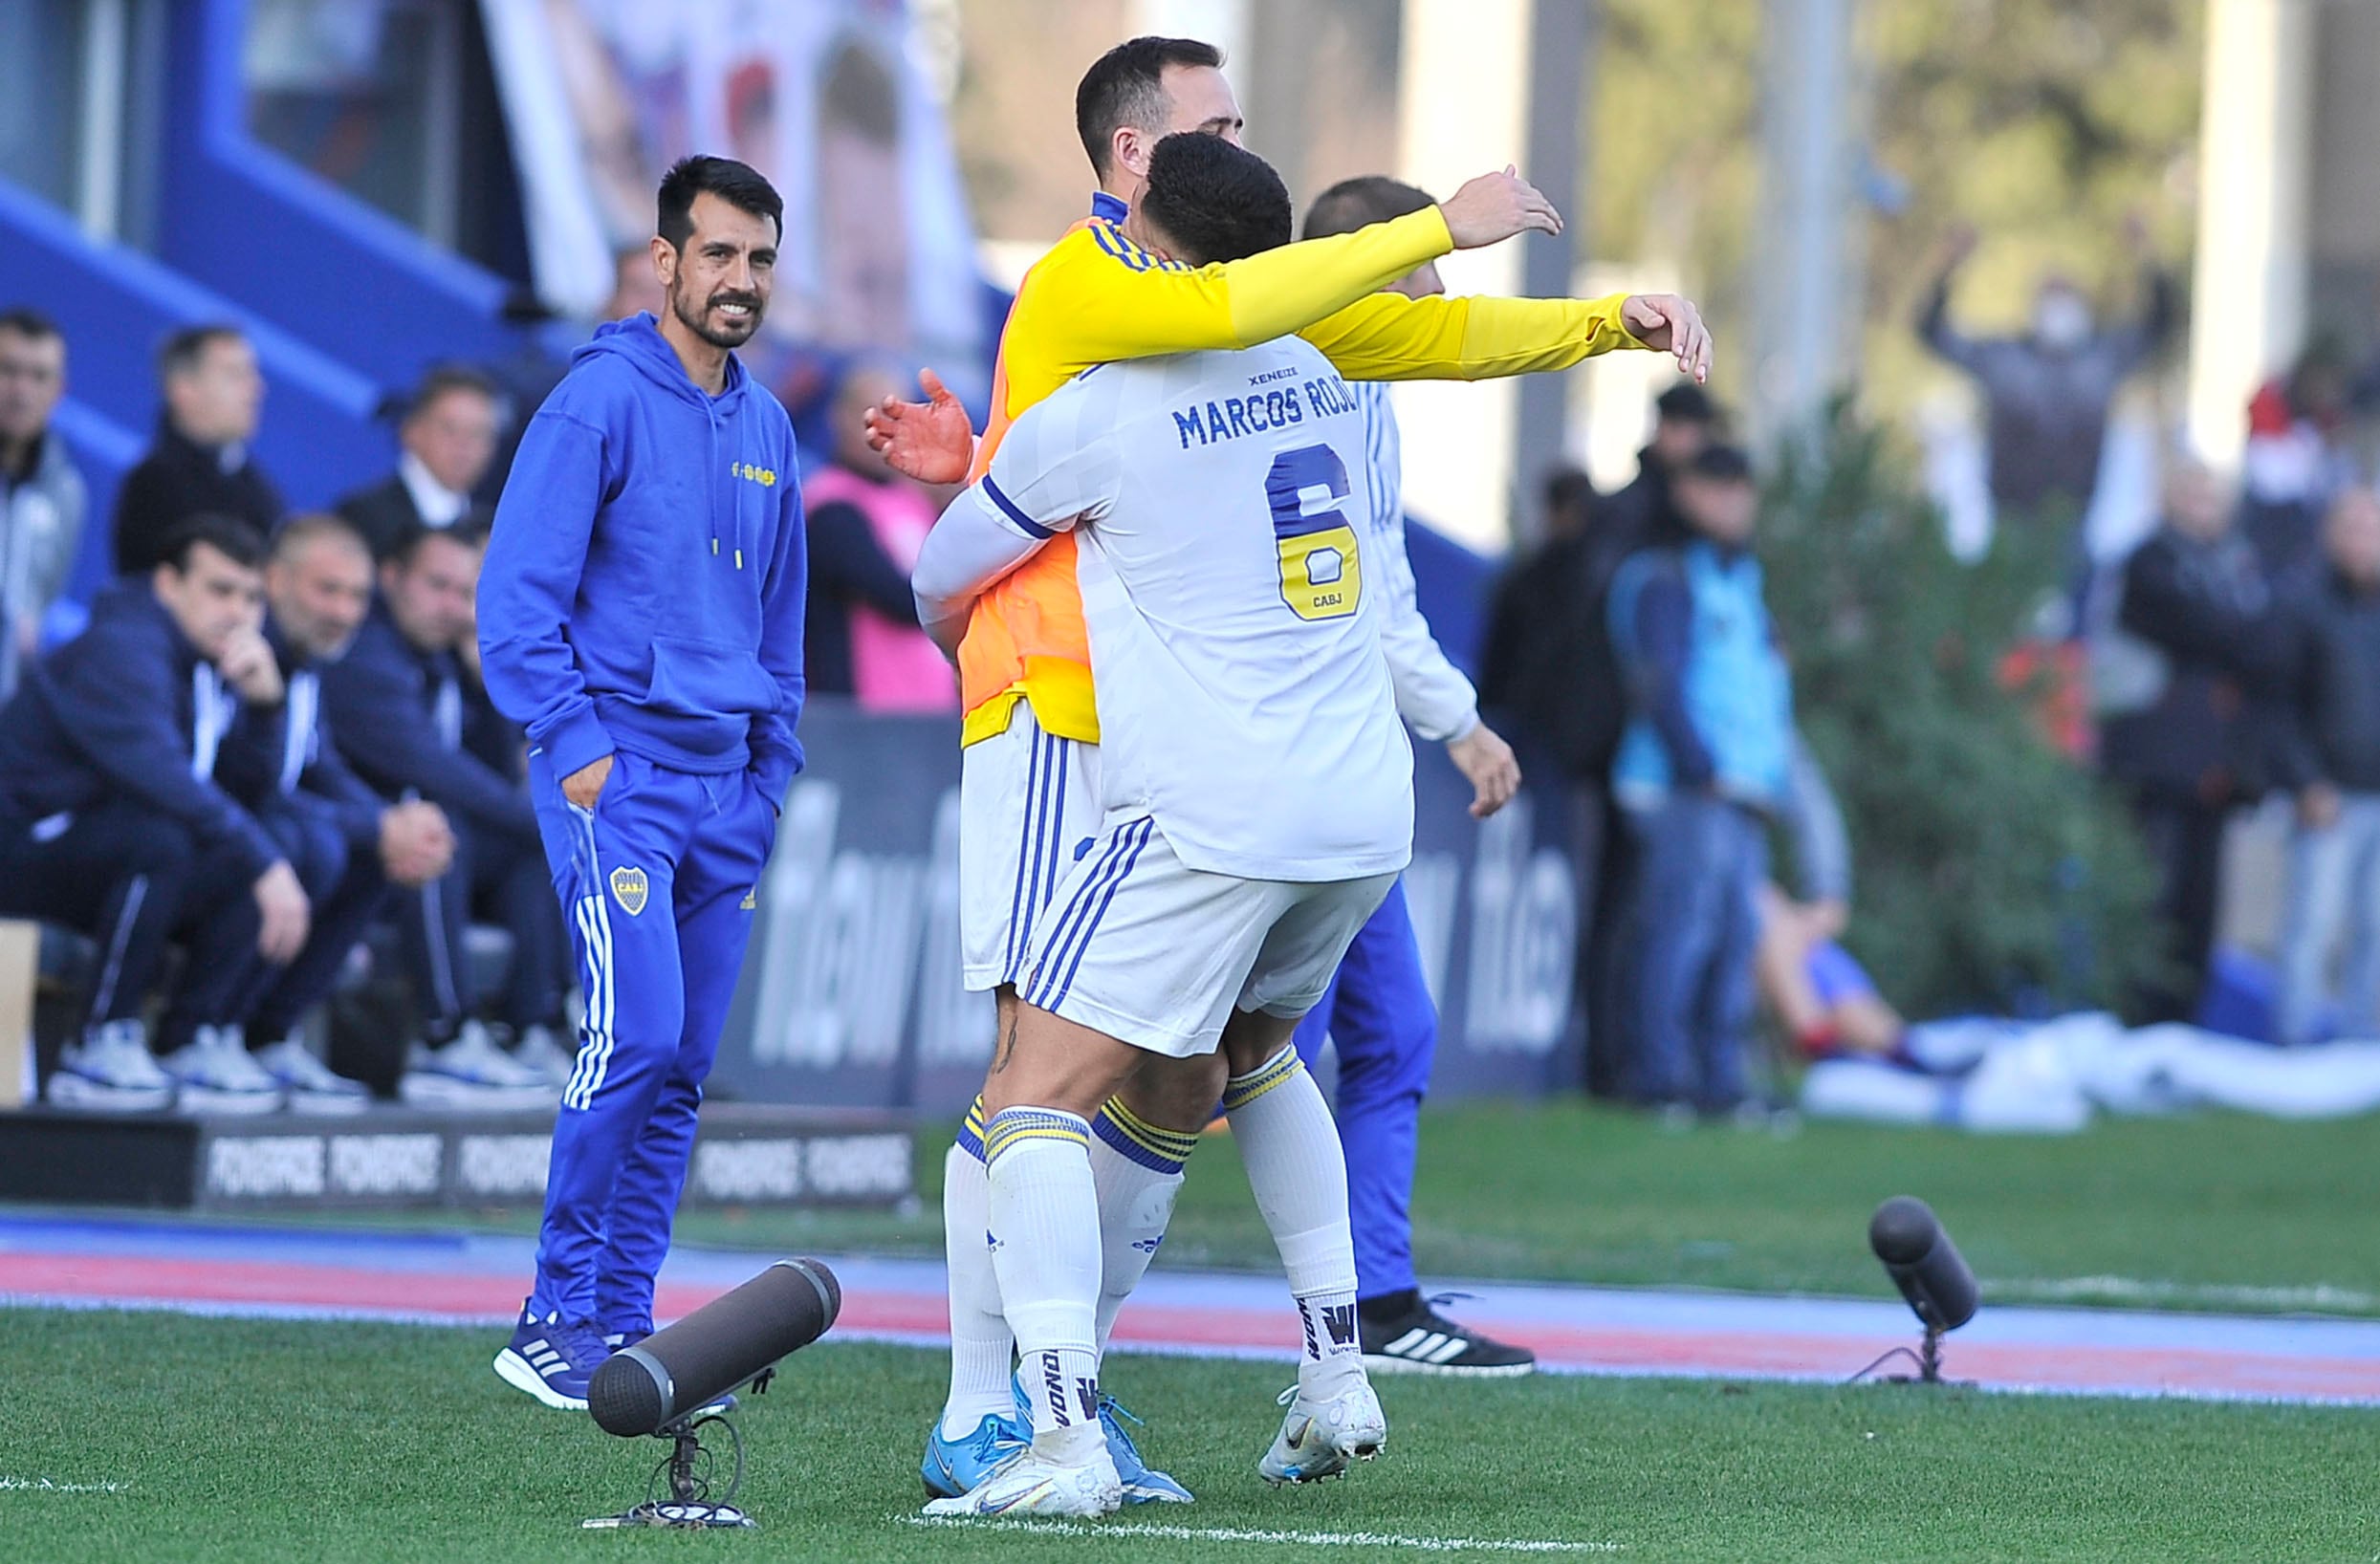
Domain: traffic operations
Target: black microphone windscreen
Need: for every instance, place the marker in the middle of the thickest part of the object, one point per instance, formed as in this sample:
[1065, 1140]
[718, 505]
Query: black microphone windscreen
[1924, 1264]
[717, 1347]
[1902, 1231]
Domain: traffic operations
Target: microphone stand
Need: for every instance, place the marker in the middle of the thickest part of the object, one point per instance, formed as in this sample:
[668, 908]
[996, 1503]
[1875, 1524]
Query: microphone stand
[1927, 1358]
[685, 1471]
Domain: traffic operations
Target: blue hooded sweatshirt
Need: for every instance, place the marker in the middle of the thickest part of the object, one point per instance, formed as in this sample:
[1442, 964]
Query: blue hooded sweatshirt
[644, 584]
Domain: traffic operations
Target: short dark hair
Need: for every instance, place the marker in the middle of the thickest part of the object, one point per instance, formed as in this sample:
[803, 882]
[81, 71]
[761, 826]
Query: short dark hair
[739, 185]
[184, 348]
[316, 527]
[1359, 203]
[227, 535]
[444, 378]
[30, 324]
[1127, 86]
[1213, 201]
[1568, 489]
[1720, 463]
[1686, 404]
[470, 534]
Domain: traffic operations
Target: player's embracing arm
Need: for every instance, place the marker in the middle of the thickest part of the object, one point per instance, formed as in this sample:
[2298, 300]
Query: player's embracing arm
[1058, 466]
[530, 584]
[1388, 336]
[784, 594]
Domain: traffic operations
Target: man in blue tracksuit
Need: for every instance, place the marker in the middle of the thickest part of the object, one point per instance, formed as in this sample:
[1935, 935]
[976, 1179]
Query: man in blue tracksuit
[1378, 1014]
[398, 701]
[641, 614]
[349, 847]
[111, 822]
[1705, 763]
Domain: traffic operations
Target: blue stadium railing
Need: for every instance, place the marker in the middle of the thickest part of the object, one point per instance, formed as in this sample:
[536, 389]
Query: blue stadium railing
[115, 306]
[293, 247]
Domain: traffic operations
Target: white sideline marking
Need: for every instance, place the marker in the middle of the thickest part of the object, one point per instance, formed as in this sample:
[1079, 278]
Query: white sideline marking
[42, 1484]
[2059, 1288]
[1233, 1533]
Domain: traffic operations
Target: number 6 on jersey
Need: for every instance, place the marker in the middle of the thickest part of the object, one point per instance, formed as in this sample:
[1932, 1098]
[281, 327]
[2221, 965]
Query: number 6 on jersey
[1321, 576]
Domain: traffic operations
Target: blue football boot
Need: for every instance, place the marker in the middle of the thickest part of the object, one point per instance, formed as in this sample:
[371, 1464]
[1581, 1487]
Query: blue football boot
[1142, 1483]
[954, 1467]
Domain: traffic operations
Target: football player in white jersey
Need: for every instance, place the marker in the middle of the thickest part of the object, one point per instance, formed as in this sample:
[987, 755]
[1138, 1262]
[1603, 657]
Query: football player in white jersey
[1257, 790]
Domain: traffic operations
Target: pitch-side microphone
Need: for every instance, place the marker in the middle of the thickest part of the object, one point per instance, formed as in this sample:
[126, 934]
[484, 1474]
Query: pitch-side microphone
[644, 1388]
[1923, 1262]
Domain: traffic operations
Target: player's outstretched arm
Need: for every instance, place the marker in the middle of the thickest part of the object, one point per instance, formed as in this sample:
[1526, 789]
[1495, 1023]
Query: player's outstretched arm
[1388, 337]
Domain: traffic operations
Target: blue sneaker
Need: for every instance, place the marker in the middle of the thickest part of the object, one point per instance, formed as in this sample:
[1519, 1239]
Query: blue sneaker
[956, 1467]
[1143, 1483]
[552, 1361]
[619, 1339]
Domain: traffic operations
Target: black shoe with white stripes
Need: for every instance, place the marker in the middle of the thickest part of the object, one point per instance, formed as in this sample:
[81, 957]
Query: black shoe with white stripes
[1405, 1334]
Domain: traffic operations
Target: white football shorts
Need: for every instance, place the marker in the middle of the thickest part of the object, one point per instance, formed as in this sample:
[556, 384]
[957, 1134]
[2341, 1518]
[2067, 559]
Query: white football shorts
[1028, 808]
[1140, 947]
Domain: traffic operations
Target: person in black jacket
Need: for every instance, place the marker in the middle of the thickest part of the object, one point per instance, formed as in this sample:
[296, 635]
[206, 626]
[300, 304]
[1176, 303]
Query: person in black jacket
[2202, 732]
[1548, 665]
[201, 464]
[111, 823]
[2334, 769]
[398, 708]
[347, 844]
[1684, 420]
[447, 439]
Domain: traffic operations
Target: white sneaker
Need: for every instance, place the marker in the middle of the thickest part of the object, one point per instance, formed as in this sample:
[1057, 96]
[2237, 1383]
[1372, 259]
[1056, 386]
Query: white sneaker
[474, 1075]
[110, 1071]
[217, 1075]
[313, 1087]
[1032, 1484]
[1317, 1438]
[540, 1049]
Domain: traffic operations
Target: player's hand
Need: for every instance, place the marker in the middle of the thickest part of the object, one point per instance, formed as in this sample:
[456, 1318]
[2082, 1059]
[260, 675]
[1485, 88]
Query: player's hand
[416, 844]
[2318, 807]
[585, 785]
[1492, 207]
[248, 666]
[287, 914]
[1486, 762]
[1669, 324]
[931, 441]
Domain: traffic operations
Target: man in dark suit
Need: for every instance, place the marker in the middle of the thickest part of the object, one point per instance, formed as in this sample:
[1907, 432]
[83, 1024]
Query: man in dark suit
[448, 437]
[201, 463]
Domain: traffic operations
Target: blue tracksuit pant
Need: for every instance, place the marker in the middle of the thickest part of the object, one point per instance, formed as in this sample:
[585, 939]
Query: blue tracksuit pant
[657, 882]
[1378, 1017]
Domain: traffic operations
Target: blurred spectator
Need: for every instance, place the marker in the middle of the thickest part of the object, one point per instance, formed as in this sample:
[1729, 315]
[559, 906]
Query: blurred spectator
[396, 701]
[347, 845]
[2285, 482]
[866, 524]
[524, 379]
[42, 494]
[201, 464]
[2198, 728]
[1548, 665]
[2047, 392]
[1707, 755]
[447, 439]
[111, 823]
[1684, 420]
[2334, 870]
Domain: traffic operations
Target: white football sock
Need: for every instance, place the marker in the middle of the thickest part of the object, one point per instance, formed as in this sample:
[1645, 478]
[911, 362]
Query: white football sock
[1045, 1250]
[1137, 1166]
[981, 1347]
[1298, 1172]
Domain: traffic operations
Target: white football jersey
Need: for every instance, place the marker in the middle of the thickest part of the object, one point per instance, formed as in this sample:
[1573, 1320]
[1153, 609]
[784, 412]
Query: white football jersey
[1243, 697]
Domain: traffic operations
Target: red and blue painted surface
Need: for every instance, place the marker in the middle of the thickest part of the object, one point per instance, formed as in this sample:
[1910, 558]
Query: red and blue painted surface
[466, 1279]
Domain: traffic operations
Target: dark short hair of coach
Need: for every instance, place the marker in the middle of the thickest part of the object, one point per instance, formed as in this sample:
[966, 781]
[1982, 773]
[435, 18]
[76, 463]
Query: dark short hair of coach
[641, 614]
